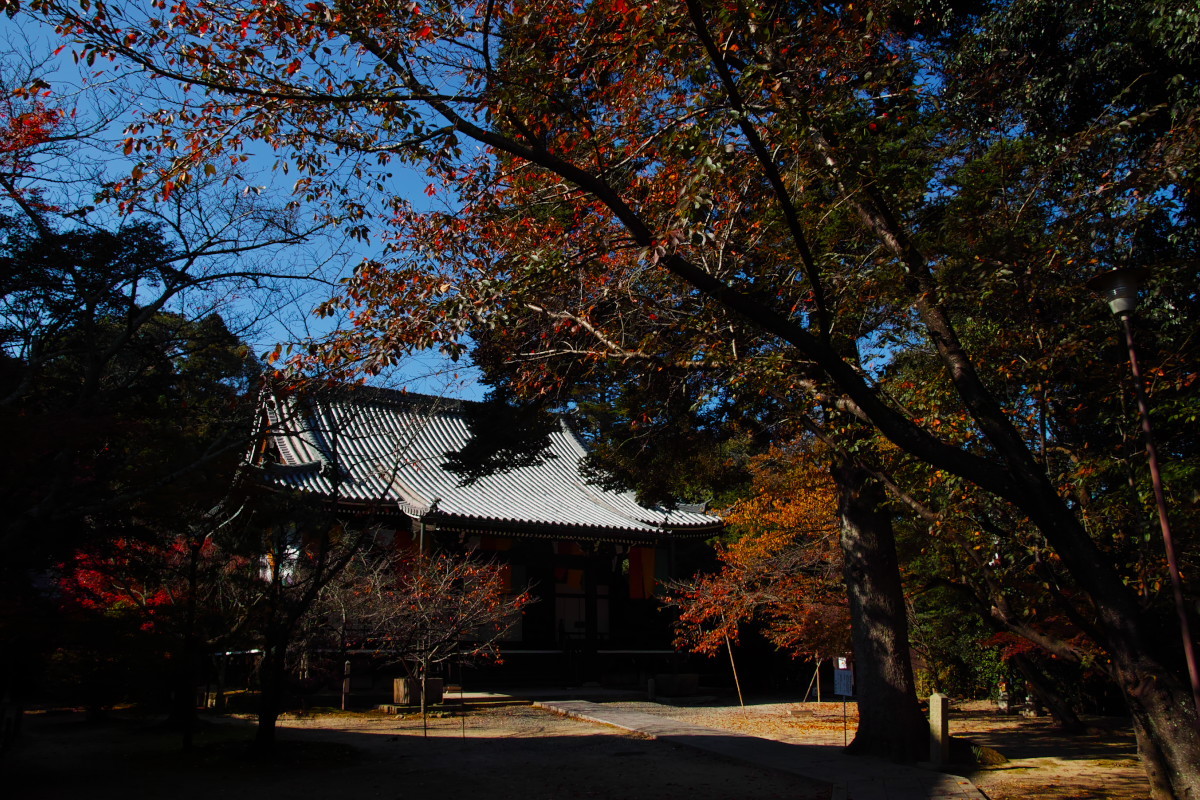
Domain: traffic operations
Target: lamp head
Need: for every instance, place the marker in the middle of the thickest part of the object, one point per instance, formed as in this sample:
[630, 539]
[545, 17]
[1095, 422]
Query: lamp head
[1119, 288]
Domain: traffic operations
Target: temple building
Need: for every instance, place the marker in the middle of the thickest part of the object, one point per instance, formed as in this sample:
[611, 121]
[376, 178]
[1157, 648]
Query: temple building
[593, 558]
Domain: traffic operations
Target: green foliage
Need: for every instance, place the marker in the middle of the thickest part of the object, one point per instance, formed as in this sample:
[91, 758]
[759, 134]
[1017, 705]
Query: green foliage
[950, 639]
[124, 422]
[103, 398]
[505, 435]
[745, 221]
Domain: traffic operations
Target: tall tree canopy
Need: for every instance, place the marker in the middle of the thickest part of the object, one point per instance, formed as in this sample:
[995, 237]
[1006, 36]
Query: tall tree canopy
[125, 388]
[115, 311]
[105, 399]
[872, 217]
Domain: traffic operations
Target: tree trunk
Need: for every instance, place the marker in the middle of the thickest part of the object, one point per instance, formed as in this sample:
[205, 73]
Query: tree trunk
[1152, 762]
[182, 715]
[270, 699]
[890, 723]
[1165, 725]
[1048, 695]
[424, 708]
[1160, 703]
[183, 705]
[1159, 698]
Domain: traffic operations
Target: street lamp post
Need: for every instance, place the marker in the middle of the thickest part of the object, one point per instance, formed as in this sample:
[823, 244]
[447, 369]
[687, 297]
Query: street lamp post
[1120, 288]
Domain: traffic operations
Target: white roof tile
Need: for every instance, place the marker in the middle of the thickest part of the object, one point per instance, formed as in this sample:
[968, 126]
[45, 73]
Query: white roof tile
[390, 447]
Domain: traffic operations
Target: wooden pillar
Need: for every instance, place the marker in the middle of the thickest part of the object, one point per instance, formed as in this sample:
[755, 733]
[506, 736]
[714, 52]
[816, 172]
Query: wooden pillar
[591, 617]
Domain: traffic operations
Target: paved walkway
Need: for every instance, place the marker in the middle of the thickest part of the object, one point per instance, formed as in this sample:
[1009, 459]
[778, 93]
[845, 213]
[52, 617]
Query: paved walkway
[852, 777]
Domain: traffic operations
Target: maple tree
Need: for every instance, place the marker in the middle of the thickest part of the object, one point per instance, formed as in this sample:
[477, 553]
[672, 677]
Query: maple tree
[296, 549]
[249, 573]
[782, 572]
[141, 465]
[173, 592]
[125, 401]
[422, 610]
[781, 197]
[122, 386]
[101, 328]
[125, 397]
[152, 470]
[23, 131]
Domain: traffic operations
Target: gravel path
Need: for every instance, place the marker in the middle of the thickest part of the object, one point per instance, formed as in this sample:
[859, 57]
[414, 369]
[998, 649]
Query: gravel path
[522, 753]
[1043, 763]
[807, 723]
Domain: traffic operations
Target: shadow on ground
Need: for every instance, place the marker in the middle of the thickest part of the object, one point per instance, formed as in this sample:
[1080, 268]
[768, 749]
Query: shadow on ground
[507, 754]
[1106, 738]
[1047, 764]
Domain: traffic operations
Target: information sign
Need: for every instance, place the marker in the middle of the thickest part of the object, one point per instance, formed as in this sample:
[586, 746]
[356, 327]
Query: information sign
[843, 681]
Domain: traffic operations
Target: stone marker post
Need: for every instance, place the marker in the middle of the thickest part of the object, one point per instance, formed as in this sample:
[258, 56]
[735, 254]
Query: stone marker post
[939, 729]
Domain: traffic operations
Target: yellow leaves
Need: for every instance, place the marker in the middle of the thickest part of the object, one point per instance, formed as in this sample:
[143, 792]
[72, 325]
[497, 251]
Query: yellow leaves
[784, 573]
[791, 495]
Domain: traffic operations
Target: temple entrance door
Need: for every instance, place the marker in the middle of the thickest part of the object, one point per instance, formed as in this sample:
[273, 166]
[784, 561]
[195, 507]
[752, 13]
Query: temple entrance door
[582, 604]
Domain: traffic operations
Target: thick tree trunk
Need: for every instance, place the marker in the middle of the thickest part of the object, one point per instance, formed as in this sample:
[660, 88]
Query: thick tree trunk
[1159, 698]
[1167, 735]
[183, 702]
[1153, 762]
[890, 723]
[270, 699]
[182, 715]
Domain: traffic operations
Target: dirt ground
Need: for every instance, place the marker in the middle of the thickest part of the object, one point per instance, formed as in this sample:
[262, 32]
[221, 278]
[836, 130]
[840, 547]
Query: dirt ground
[521, 753]
[1043, 764]
[514, 753]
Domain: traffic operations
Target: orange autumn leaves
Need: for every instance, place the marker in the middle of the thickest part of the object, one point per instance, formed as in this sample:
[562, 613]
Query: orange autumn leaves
[783, 572]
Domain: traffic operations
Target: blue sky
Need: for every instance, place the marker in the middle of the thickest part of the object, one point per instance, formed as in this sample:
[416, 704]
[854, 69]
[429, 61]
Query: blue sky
[276, 316]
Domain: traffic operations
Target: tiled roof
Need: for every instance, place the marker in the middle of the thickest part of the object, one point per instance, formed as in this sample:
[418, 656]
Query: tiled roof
[384, 448]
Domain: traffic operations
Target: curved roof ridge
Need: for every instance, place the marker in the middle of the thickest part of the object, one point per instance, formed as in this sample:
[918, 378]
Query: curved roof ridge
[384, 394]
[390, 449]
